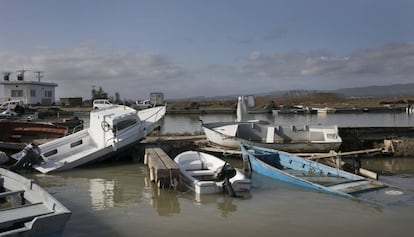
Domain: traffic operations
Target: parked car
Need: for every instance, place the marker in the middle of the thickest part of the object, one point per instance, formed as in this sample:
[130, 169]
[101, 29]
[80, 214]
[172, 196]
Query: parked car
[101, 103]
[145, 104]
[11, 104]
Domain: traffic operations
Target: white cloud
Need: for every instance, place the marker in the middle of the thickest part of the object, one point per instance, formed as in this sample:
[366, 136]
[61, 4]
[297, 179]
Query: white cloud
[391, 63]
[77, 70]
[135, 75]
[254, 55]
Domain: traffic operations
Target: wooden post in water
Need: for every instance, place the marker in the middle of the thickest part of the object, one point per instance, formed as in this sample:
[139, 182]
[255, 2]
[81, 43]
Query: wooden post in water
[163, 170]
[246, 164]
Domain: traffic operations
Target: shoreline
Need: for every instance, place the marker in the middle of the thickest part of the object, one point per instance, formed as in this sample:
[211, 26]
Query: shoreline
[55, 110]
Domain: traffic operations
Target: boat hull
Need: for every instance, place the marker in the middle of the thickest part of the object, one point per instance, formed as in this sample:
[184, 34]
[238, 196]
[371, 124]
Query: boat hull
[306, 173]
[112, 130]
[16, 134]
[221, 139]
[51, 221]
[225, 135]
[198, 171]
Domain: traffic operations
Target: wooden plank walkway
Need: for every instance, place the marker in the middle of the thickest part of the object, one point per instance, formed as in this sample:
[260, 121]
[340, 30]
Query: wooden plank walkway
[163, 170]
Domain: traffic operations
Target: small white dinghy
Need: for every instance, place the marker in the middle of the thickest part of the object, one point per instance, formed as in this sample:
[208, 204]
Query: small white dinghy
[28, 210]
[205, 174]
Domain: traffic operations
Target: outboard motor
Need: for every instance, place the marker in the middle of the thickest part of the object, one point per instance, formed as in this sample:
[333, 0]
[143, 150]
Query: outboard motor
[225, 174]
[27, 157]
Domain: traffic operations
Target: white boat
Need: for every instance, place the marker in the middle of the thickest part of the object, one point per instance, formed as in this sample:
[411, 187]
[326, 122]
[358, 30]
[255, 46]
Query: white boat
[286, 138]
[111, 129]
[325, 110]
[206, 174]
[409, 109]
[306, 173]
[297, 109]
[260, 133]
[27, 209]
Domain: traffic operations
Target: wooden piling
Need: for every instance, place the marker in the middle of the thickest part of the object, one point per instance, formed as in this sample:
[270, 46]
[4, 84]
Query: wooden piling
[163, 170]
[401, 147]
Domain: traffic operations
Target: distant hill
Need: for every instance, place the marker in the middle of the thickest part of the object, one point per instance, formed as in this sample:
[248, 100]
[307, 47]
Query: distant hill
[378, 91]
[368, 91]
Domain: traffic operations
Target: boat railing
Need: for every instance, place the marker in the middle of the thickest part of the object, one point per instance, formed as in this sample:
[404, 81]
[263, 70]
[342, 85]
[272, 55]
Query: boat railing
[156, 114]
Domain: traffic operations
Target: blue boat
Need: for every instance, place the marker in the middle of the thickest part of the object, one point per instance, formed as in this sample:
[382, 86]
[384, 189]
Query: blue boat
[307, 173]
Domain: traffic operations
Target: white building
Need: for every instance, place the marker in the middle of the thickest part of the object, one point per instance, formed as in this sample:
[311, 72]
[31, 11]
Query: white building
[30, 92]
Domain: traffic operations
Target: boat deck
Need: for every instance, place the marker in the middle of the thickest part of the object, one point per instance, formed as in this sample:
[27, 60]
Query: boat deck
[338, 184]
[21, 214]
[319, 179]
[28, 210]
[357, 186]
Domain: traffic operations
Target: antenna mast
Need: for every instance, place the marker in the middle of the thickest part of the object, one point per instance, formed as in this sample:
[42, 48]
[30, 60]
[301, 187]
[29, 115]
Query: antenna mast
[38, 75]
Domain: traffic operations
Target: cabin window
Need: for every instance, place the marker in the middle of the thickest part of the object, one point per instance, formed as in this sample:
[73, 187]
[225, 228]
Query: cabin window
[74, 144]
[331, 135]
[126, 123]
[49, 153]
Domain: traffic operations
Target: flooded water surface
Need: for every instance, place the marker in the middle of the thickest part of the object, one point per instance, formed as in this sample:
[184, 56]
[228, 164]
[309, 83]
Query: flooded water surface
[115, 198]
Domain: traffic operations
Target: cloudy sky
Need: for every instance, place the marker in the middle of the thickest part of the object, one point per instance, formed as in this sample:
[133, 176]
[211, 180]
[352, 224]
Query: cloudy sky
[188, 48]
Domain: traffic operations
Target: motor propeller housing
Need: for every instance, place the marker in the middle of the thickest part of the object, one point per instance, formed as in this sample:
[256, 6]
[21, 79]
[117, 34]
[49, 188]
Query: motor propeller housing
[226, 172]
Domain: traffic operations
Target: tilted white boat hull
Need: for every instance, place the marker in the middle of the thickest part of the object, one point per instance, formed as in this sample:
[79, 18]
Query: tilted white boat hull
[111, 130]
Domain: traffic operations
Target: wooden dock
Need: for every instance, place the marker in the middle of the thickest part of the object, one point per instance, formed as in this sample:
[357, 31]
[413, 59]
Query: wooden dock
[163, 170]
[224, 151]
[358, 138]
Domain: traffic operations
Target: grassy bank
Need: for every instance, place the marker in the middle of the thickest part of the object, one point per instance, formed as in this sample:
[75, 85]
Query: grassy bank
[309, 100]
[228, 105]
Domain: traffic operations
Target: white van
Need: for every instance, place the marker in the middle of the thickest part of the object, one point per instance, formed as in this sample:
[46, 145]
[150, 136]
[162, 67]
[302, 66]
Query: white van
[101, 103]
[11, 104]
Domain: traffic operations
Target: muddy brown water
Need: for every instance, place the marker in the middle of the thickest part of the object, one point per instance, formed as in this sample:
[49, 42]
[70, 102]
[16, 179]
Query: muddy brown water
[116, 199]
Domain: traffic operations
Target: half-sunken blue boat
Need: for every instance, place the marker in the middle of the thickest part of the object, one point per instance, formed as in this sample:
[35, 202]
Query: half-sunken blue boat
[306, 173]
